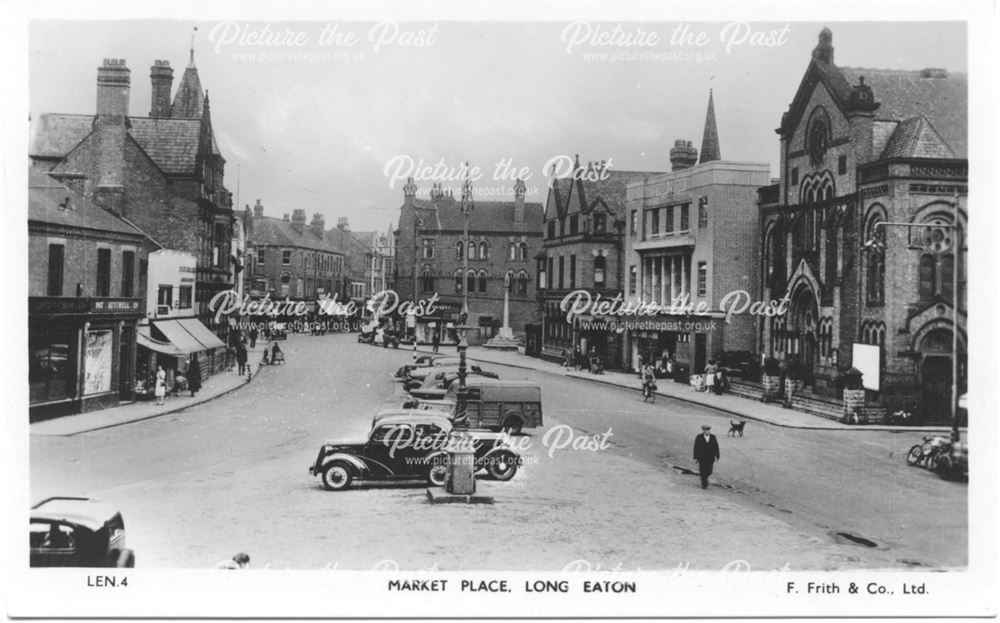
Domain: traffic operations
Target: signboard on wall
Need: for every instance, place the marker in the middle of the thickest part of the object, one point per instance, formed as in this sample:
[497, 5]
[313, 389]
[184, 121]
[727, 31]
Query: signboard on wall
[867, 357]
[97, 362]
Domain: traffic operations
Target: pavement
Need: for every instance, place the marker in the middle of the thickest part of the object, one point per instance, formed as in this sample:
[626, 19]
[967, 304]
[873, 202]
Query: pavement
[226, 382]
[214, 386]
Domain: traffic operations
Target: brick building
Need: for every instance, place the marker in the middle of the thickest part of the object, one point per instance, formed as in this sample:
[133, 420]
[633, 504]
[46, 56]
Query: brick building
[583, 248]
[692, 239]
[291, 258]
[164, 172]
[861, 147]
[86, 286]
[503, 240]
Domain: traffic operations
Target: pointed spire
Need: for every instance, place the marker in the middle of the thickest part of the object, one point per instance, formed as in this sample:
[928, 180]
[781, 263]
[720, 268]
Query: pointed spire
[191, 63]
[710, 140]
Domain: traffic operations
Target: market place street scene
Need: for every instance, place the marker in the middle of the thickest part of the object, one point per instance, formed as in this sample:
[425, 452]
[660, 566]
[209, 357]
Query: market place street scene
[374, 296]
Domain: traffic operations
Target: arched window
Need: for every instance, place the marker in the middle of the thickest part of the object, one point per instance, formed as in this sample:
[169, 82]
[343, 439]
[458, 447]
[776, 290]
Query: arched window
[458, 282]
[875, 259]
[928, 277]
[832, 248]
[483, 251]
[471, 250]
[470, 280]
[512, 251]
[459, 249]
[523, 251]
[600, 266]
[482, 281]
[522, 282]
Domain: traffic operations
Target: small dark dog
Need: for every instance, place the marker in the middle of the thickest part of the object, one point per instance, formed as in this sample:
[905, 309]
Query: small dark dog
[736, 427]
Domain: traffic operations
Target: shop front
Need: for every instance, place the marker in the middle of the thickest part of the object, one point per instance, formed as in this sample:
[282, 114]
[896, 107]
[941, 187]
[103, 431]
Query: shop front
[81, 354]
[171, 344]
[689, 341]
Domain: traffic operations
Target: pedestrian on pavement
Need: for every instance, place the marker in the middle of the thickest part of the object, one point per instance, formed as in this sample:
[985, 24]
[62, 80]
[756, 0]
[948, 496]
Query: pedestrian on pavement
[253, 337]
[436, 340]
[706, 452]
[710, 371]
[194, 375]
[578, 358]
[161, 385]
[241, 358]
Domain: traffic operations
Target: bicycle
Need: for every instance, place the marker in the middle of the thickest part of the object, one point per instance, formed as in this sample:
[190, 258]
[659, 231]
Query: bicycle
[648, 391]
[929, 453]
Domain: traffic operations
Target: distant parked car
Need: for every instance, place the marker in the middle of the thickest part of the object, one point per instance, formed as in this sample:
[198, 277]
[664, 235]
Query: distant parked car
[78, 532]
[407, 446]
[492, 404]
[420, 362]
[436, 385]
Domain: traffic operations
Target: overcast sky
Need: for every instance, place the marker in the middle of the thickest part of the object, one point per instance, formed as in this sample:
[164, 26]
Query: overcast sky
[317, 131]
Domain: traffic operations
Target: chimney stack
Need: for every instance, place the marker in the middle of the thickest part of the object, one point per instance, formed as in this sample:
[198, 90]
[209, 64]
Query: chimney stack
[342, 224]
[110, 125]
[409, 192]
[258, 209]
[298, 219]
[162, 77]
[318, 225]
[683, 155]
[519, 190]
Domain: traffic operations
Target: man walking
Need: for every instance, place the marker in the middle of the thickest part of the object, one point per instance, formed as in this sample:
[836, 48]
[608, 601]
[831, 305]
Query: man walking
[436, 340]
[241, 358]
[706, 452]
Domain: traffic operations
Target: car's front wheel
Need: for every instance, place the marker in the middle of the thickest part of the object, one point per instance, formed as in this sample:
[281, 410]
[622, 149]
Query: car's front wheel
[336, 476]
[125, 559]
[502, 465]
[437, 472]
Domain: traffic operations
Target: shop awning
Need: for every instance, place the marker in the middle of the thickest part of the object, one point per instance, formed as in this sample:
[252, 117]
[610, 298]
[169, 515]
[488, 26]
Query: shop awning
[201, 333]
[179, 336]
[143, 338]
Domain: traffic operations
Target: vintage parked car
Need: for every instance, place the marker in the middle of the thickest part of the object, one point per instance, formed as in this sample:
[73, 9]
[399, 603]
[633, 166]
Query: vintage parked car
[437, 377]
[435, 386]
[78, 532]
[406, 445]
[420, 362]
[492, 404]
[419, 374]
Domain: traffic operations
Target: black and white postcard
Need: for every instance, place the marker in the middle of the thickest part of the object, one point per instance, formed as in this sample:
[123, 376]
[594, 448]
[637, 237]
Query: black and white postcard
[496, 310]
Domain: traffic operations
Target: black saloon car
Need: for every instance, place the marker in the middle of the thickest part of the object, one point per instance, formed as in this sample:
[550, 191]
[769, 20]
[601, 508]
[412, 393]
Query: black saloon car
[78, 532]
[407, 445]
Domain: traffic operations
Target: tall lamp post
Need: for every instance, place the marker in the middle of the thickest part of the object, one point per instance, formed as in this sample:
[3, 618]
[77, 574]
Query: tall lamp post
[462, 418]
[937, 241]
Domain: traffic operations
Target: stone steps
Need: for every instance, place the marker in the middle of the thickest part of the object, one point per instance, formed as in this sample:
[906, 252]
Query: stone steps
[745, 390]
[829, 409]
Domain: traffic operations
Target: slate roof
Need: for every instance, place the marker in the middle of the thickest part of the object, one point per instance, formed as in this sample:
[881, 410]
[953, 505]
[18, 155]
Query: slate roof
[45, 194]
[55, 135]
[487, 216]
[171, 143]
[916, 138]
[281, 233]
[942, 97]
[610, 190]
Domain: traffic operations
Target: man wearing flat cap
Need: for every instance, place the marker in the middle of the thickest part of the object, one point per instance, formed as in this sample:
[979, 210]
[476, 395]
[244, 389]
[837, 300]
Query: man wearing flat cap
[706, 452]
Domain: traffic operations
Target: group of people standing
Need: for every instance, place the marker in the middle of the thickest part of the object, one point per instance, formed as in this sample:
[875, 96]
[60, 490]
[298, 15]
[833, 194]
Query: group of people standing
[190, 380]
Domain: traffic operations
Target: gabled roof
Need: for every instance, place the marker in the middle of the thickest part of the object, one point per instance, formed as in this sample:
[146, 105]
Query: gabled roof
[281, 233]
[54, 203]
[940, 96]
[609, 191]
[54, 135]
[899, 95]
[486, 216]
[916, 138]
[171, 143]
